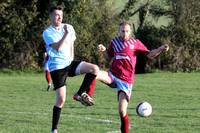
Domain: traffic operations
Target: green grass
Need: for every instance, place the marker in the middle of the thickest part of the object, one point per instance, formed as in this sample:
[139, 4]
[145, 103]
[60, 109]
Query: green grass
[26, 107]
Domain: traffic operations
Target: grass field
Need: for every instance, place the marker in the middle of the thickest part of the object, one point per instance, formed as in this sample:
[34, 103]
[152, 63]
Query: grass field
[26, 107]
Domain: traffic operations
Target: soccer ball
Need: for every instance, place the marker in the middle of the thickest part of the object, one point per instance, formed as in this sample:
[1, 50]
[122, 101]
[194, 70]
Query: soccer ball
[144, 109]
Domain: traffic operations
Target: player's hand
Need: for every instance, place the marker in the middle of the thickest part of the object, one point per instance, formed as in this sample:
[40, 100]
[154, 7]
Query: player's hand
[65, 28]
[165, 47]
[101, 48]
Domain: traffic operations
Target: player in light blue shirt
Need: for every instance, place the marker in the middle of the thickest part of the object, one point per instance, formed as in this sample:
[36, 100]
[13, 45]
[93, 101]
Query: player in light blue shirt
[64, 56]
[59, 39]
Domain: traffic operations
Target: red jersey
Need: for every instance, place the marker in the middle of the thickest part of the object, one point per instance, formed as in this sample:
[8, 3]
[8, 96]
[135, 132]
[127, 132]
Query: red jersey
[124, 57]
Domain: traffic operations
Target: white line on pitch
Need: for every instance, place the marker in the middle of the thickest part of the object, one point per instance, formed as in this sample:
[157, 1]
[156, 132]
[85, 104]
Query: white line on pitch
[114, 131]
[73, 116]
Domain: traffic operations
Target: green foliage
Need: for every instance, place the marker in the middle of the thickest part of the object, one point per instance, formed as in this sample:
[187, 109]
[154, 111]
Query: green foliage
[93, 26]
[152, 37]
[16, 17]
[22, 23]
[182, 33]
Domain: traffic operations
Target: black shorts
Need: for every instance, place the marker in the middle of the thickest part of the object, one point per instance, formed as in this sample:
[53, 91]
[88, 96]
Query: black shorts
[59, 76]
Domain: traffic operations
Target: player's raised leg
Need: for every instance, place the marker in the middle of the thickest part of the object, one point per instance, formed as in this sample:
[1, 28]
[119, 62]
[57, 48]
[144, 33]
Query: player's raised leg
[104, 77]
[88, 83]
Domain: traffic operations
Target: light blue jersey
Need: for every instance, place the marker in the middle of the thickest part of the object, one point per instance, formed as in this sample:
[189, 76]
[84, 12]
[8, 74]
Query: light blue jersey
[62, 58]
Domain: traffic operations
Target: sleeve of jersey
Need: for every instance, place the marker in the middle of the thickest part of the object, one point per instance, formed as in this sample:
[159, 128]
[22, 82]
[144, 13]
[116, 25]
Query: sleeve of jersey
[47, 38]
[110, 50]
[141, 47]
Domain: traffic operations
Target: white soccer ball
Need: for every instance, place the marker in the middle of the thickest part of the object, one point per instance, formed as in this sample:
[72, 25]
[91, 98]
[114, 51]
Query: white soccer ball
[144, 109]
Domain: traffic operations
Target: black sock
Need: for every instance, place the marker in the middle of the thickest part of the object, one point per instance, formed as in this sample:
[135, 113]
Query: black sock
[86, 83]
[56, 117]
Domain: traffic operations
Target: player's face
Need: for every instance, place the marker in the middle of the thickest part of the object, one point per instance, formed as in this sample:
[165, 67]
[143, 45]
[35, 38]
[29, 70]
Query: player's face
[125, 31]
[56, 17]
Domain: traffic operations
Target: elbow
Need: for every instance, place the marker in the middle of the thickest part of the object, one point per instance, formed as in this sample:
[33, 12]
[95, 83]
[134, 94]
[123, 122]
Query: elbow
[56, 46]
[58, 49]
[107, 57]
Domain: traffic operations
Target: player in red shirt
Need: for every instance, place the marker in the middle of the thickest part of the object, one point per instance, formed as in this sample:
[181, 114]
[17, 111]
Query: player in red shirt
[122, 51]
[46, 70]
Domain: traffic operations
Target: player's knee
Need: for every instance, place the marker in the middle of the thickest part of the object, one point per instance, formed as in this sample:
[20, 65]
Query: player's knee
[95, 70]
[122, 112]
[60, 102]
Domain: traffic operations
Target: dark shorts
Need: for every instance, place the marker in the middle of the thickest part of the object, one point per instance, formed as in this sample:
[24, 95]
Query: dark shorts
[59, 76]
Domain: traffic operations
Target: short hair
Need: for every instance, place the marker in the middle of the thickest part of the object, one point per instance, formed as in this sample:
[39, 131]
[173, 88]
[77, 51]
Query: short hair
[124, 23]
[58, 7]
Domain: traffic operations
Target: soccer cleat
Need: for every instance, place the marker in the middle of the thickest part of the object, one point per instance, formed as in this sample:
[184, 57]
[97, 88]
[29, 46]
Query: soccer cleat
[84, 99]
[87, 99]
[78, 98]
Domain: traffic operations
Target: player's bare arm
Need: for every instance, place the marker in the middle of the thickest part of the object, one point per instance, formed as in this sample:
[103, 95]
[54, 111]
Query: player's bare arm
[102, 48]
[58, 45]
[155, 52]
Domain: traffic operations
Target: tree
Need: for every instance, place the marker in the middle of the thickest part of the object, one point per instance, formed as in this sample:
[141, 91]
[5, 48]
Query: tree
[182, 33]
[22, 23]
[93, 24]
[16, 16]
